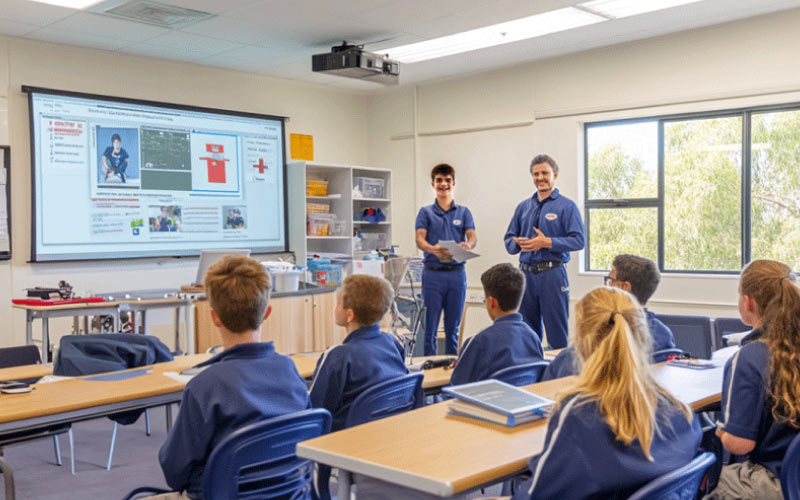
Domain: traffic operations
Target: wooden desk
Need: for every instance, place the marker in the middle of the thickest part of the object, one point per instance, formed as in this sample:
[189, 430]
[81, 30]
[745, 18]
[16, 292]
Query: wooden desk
[25, 372]
[407, 449]
[65, 310]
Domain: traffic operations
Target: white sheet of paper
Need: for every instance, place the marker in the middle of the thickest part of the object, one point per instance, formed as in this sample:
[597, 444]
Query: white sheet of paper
[184, 379]
[459, 254]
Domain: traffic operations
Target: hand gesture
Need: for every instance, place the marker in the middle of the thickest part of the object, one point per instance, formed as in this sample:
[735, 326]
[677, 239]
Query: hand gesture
[465, 245]
[540, 240]
[525, 244]
[441, 252]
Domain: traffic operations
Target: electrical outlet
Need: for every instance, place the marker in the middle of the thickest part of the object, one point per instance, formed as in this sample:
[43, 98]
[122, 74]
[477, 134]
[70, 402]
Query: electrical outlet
[475, 296]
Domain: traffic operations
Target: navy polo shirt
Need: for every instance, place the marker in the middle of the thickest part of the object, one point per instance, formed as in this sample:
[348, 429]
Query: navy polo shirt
[557, 217]
[747, 406]
[444, 225]
[242, 385]
[563, 365]
[582, 457]
[366, 357]
[662, 335]
[508, 342]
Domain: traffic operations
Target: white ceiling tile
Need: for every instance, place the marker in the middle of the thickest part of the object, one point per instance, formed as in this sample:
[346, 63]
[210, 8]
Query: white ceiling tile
[80, 39]
[212, 6]
[403, 15]
[14, 28]
[25, 11]
[181, 53]
[110, 27]
[191, 42]
[248, 32]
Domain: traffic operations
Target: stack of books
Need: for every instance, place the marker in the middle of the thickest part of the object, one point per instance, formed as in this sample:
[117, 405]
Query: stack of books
[497, 402]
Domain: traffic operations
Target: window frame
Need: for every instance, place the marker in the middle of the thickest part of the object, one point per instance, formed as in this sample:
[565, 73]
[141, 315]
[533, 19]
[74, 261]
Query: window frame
[746, 114]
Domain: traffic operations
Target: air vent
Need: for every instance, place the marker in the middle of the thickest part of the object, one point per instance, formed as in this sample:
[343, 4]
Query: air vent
[158, 14]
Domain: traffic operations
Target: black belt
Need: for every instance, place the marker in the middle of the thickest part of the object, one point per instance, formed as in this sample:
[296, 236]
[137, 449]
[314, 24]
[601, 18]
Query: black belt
[541, 266]
[444, 268]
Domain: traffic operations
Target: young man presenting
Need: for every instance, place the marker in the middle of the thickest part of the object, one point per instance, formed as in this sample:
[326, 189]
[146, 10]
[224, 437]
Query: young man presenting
[444, 282]
[543, 230]
[509, 341]
[246, 383]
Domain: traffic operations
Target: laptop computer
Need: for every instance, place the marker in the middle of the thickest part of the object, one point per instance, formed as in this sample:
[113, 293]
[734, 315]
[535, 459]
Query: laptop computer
[210, 257]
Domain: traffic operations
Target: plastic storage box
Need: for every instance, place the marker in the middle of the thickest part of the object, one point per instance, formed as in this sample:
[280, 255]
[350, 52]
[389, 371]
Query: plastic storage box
[321, 225]
[371, 187]
[373, 241]
[326, 273]
[316, 187]
[317, 208]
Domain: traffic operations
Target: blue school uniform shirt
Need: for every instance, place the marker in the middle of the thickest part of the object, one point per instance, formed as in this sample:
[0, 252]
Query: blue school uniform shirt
[557, 217]
[366, 357]
[242, 385]
[444, 225]
[662, 335]
[508, 342]
[583, 459]
[747, 406]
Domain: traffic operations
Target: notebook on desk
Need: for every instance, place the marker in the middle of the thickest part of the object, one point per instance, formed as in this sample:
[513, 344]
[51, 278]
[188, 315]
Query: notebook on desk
[210, 257]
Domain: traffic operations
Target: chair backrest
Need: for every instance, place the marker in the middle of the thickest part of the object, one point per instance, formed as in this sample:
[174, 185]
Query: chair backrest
[790, 471]
[524, 374]
[662, 354]
[387, 398]
[259, 460]
[680, 484]
[693, 334]
[727, 326]
[18, 356]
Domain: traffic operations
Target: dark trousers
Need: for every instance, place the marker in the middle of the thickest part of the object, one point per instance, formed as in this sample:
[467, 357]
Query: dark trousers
[443, 290]
[546, 300]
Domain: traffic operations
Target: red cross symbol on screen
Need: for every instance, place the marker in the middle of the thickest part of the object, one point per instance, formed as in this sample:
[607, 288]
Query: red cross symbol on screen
[260, 166]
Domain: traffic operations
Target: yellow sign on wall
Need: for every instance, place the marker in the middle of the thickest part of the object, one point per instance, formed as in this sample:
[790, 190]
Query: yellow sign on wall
[302, 147]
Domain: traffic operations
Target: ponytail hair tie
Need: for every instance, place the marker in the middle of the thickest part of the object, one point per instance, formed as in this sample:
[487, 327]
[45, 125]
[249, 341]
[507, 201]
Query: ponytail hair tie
[611, 318]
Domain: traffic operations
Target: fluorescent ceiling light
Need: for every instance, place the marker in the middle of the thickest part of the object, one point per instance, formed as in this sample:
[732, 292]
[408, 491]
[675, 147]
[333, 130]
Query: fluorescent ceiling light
[498, 34]
[72, 4]
[616, 9]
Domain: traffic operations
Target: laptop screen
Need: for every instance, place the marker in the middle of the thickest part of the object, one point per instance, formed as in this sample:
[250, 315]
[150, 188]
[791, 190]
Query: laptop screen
[209, 257]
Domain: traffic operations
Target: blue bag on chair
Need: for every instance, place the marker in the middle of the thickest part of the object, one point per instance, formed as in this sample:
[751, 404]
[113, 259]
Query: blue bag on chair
[107, 352]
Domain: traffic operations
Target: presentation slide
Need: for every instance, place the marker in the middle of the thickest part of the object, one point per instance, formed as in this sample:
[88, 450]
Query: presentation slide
[115, 178]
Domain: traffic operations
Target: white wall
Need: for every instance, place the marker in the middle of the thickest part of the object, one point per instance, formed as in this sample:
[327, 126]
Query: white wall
[337, 119]
[489, 126]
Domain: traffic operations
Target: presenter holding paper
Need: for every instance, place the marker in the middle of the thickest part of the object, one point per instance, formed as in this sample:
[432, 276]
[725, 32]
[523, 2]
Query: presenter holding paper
[444, 281]
[543, 230]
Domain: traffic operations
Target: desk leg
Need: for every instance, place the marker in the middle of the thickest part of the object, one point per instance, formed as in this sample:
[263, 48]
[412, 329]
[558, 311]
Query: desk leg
[145, 329]
[28, 327]
[86, 325]
[176, 320]
[168, 409]
[344, 485]
[115, 318]
[188, 322]
[8, 479]
[45, 339]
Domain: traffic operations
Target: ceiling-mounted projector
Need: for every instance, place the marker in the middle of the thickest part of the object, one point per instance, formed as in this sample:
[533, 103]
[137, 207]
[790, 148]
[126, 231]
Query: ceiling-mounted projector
[354, 62]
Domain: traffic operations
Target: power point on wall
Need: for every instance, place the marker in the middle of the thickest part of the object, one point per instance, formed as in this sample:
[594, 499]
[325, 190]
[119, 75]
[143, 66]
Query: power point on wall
[475, 297]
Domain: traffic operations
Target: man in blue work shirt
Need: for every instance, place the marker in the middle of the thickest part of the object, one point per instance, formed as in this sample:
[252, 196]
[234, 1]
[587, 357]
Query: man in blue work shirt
[246, 383]
[545, 228]
[509, 341]
[444, 281]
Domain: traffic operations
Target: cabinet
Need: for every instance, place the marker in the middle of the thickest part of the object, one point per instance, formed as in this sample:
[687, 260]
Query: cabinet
[298, 323]
[341, 202]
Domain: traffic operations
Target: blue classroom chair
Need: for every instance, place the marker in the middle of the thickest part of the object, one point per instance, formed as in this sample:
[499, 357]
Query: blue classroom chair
[258, 461]
[524, 374]
[790, 471]
[693, 334]
[382, 400]
[680, 484]
[727, 326]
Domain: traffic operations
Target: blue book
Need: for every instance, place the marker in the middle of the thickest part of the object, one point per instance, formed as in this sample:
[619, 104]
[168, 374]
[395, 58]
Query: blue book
[497, 402]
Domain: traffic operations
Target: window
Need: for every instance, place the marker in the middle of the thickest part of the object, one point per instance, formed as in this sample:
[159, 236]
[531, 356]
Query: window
[696, 193]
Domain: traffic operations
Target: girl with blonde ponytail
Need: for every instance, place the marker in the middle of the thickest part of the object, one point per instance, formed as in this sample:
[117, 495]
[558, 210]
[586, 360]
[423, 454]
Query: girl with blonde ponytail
[617, 428]
[761, 385]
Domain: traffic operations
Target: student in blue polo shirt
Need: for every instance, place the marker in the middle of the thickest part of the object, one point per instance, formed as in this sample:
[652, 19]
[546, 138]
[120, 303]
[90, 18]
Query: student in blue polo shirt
[444, 282]
[246, 383]
[545, 228]
[366, 357]
[640, 277]
[760, 390]
[509, 341]
[616, 429]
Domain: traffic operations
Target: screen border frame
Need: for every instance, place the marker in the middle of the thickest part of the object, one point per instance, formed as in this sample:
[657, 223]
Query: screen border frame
[30, 90]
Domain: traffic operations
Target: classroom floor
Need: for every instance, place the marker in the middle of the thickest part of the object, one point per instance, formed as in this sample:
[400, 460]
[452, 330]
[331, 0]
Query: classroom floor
[135, 462]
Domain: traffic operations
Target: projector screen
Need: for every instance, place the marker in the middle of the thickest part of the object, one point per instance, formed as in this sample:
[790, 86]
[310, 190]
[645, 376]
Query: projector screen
[119, 178]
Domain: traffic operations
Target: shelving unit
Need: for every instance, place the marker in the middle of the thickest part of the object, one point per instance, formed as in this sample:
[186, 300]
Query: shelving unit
[341, 180]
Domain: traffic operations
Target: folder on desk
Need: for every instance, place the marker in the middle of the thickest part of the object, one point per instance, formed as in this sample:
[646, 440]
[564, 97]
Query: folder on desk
[497, 402]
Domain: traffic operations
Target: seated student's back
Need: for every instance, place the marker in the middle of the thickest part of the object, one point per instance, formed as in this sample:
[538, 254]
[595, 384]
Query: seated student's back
[366, 357]
[509, 341]
[617, 429]
[760, 390]
[246, 383]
